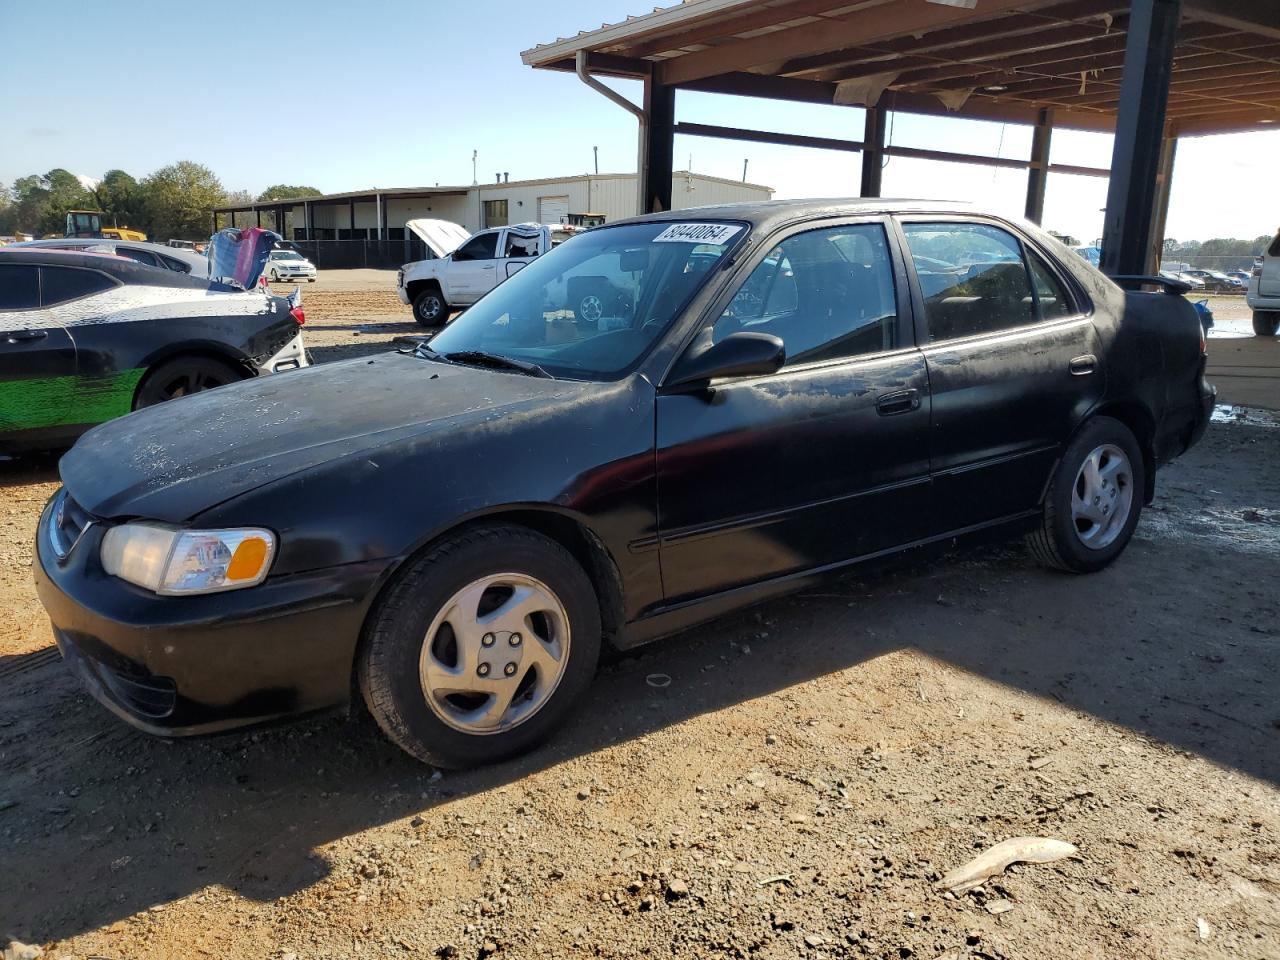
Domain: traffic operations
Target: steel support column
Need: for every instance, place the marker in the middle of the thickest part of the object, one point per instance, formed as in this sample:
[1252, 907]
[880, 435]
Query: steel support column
[659, 145]
[351, 218]
[1038, 175]
[1135, 159]
[258, 215]
[306, 220]
[1164, 184]
[872, 152]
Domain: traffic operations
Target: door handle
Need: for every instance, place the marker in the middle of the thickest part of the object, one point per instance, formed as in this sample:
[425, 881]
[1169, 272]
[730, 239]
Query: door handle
[1083, 366]
[903, 401]
[18, 336]
[489, 266]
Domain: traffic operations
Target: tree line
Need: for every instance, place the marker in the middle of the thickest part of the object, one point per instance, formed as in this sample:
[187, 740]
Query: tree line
[1220, 253]
[175, 202]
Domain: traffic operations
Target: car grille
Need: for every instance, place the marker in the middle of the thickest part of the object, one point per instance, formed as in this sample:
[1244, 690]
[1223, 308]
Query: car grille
[68, 522]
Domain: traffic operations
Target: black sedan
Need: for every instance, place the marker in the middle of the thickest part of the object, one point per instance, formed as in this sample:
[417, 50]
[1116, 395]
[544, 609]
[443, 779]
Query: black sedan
[85, 337]
[782, 391]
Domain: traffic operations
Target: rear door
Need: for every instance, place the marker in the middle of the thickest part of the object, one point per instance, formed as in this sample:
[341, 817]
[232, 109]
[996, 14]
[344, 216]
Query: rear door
[824, 460]
[1014, 365]
[37, 361]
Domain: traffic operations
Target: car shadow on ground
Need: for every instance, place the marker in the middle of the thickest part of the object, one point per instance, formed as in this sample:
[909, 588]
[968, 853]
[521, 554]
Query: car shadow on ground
[103, 822]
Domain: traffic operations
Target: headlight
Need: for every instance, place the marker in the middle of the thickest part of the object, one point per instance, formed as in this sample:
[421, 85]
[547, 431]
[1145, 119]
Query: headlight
[173, 562]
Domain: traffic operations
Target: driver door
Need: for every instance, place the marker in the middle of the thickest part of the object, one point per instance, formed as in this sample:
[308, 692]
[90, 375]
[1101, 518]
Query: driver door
[474, 268]
[37, 361]
[821, 462]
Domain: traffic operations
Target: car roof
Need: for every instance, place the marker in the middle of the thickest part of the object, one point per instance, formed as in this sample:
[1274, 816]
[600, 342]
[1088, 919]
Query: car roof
[121, 268]
[176, 253]
[773, 213]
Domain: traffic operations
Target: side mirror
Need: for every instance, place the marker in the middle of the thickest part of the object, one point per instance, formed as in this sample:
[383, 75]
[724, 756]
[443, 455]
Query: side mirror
[737, 355]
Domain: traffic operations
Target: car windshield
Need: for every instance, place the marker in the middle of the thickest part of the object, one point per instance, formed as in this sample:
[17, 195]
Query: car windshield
[285, 255]
[593, 306]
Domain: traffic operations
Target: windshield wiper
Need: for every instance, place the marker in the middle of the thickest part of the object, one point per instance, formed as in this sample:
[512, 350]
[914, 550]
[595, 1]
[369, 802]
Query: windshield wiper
[481, 358]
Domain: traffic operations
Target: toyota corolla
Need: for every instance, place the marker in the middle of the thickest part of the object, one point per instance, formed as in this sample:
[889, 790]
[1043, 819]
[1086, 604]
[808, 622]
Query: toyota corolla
[774, 392]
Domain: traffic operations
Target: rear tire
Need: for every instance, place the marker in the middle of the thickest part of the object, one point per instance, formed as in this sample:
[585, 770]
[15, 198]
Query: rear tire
[1266, 322]
[274, 277]
[183, 376]
[527, 625]
[1094, 499]
[430, 308]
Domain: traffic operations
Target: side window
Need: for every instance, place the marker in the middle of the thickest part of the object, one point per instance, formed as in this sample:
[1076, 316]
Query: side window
[175, 265]
[483, 246]
[62, 284]
[1274, 249]
[972, 276]
[142, 256]
[19, 287]
[1051, 296]
[827, 294]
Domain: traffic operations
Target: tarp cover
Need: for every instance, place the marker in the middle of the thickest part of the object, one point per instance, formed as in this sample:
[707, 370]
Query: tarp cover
[238, 257]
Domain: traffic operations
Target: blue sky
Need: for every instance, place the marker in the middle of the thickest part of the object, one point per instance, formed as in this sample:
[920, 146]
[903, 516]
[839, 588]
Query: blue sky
[392, 93]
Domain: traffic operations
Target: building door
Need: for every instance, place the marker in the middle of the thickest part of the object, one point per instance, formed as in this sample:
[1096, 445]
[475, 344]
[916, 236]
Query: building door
[553, 210]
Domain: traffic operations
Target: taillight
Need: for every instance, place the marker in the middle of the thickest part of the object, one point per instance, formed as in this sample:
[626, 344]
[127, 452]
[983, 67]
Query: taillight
[301, 317]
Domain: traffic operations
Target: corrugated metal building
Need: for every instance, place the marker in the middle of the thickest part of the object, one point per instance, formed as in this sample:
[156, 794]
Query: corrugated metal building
[367, 227]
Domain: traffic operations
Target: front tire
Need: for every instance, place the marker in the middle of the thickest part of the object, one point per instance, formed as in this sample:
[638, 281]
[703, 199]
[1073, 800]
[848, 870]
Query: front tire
[274, 277]
[429, 307]
[1094, 499]
[1266, 322]
[480, 647]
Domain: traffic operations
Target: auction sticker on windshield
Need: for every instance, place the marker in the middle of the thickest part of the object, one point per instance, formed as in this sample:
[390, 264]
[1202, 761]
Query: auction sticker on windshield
[716, 234]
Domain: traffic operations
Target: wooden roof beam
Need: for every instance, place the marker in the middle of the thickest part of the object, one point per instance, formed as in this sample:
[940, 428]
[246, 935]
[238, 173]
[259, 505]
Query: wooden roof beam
[903, 17]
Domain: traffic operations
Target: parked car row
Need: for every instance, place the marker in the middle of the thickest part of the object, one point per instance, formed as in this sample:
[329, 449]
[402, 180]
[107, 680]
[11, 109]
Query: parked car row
[456, 531]
[90, 335]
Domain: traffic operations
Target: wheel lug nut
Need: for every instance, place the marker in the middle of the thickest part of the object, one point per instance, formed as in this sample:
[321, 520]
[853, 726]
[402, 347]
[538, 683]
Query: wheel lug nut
[515, 639]
[483, 670]
[487, 639]
[509, 669]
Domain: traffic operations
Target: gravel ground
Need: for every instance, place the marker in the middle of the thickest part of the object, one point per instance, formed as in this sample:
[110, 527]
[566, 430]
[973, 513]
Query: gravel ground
[811, 770]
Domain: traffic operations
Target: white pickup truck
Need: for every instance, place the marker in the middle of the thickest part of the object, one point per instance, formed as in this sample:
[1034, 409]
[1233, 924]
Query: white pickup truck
[466, 267]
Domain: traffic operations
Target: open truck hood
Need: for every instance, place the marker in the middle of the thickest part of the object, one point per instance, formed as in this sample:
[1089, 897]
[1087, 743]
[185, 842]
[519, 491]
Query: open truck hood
[442, 237]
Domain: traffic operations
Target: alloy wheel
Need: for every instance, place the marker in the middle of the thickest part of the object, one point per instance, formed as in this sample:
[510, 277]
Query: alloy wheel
[1102, 496]
[495, 653]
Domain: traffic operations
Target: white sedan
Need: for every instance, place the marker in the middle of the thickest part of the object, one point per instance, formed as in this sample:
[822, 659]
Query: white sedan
[289, 265]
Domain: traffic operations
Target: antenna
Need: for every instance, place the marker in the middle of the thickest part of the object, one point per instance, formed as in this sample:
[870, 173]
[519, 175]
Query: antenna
[474, 154]
[744, 168]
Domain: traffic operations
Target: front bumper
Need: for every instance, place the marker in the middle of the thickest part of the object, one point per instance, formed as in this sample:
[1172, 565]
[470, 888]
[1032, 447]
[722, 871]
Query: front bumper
[177, 666]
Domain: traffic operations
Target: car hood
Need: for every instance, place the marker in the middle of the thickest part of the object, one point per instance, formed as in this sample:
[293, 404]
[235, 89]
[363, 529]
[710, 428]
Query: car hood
[173, 461]
[442, 237]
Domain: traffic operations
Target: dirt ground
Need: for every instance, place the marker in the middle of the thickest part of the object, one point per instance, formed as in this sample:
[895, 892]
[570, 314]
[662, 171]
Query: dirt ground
[810, 771]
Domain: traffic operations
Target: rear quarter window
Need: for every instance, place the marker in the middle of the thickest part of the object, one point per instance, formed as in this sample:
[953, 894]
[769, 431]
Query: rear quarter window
[64, 284]
[19, 286]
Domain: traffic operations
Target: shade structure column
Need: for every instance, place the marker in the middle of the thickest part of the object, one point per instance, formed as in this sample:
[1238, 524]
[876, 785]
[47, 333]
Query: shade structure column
[659, 144]
[872, 152]
[1135, 159]
[1164, 184]
[1038, 174]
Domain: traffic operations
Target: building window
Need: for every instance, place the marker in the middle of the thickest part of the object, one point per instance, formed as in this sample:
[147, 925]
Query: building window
[495, 213]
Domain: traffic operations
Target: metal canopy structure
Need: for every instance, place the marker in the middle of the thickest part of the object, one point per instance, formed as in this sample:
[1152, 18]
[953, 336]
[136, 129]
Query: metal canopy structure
[1151, 71]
